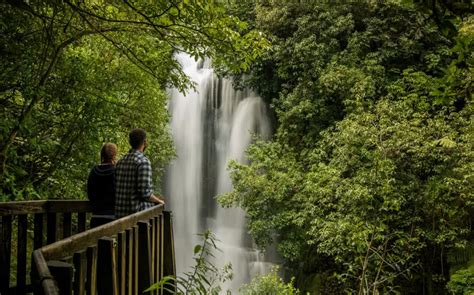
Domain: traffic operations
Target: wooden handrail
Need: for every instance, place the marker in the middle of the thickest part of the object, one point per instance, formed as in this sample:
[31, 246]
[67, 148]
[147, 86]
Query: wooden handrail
[48, 220]
[46, 279]
[130, 253]
[80, 241]
[44, 206]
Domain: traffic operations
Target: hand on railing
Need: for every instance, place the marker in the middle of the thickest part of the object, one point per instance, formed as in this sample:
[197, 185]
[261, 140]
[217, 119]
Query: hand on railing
[157, 200]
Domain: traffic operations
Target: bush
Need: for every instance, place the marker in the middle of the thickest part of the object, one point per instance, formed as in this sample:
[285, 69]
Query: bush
[269, 284]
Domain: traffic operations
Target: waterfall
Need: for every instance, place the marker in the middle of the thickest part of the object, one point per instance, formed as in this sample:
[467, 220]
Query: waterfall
[211, 126]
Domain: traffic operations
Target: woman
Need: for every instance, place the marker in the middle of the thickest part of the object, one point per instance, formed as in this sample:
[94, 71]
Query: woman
[101, 185]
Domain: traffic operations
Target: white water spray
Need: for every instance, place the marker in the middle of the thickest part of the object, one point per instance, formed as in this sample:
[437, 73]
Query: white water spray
[211, 126]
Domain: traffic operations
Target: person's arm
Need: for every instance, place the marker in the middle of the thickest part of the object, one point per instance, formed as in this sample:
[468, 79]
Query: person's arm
[144, 185]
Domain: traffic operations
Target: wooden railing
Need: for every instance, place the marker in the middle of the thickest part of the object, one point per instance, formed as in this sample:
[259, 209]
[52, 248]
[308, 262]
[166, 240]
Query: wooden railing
[34, 224]
[124, 256]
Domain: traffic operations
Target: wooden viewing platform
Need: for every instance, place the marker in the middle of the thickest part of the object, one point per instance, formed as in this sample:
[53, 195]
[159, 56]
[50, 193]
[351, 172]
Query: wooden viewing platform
[124, 256]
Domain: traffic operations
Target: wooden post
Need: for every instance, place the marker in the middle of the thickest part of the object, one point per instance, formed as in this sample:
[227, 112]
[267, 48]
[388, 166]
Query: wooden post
[5, 254]
[38, 231]
[51, 228]
[161, 250]
[156, 262]
[81, 222]
[21, 254]
[122, 245]
[169, 268]
[79, 260]
[91, 276]
[135, 260]
[107, 267]
[66, 224]
[144, 257]
[62, 273]
[152, 250]
[129, 262]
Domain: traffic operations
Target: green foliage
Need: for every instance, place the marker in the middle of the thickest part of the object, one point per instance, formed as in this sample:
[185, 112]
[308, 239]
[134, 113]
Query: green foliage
[270, 284]
[77, 74]
[204, 277]
[462, 282]
[370, 173]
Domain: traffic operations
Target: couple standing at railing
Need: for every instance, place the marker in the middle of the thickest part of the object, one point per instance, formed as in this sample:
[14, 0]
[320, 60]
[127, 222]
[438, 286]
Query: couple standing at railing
[122, 188]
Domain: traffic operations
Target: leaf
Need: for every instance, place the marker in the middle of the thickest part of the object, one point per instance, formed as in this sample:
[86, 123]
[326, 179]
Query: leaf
[197, 248]
[446, 142]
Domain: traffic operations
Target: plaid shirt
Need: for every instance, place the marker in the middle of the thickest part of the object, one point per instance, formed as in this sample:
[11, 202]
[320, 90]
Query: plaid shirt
[132, 184]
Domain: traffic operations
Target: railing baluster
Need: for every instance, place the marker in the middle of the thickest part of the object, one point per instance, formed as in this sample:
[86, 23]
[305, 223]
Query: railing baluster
[81, 222]
[135, 260]
[91, 276]
[169, 268]
[144, 258]
[5, 254]
[161, 250]
[156, 261]
[106, 257]
[21, 254]
[157, 249]
[152, 250]
[121, 241]
[51, 228]
[38, 231]
[62, 273]
[129, 262]
[66, 225]
[79, 260]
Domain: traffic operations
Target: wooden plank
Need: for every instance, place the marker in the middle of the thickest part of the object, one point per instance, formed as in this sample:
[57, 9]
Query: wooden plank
[91, 276]
[135, 260]
[21, 253]
[79, 260]
[44, 206]
[69, 206]
[38, 231]
[83, 240]
[5, 254]
[129, 262]
[24, 207]
[62, 273]
[47, 283]
[157, 249]
[169, 267]
[81, 222]
[106, 266]
[51, 228]
[153, 250]
[144, 258]
[161, 251]
[66, 225]
[122, 244]
[156, 255]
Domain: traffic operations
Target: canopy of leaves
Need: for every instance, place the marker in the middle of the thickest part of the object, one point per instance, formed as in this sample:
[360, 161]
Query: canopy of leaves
[370, 175]
[76, 74]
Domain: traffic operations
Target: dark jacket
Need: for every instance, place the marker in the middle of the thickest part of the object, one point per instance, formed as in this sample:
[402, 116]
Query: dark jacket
[101, 189]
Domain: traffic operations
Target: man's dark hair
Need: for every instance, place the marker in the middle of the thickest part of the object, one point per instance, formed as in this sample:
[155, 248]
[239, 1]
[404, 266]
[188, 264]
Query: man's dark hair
[136, 137]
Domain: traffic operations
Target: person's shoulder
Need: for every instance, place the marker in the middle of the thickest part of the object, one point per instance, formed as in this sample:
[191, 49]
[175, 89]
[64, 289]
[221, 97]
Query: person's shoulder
[94, 169]
[142, 159]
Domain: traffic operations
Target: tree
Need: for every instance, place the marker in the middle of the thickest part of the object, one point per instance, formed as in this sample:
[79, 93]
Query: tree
[89, 69]
[369, 175]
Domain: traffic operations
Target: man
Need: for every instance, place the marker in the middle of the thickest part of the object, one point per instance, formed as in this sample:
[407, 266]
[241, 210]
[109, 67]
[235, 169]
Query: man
[133, 188]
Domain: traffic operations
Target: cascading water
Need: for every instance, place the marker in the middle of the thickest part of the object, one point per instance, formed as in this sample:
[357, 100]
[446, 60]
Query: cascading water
[210, 126]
